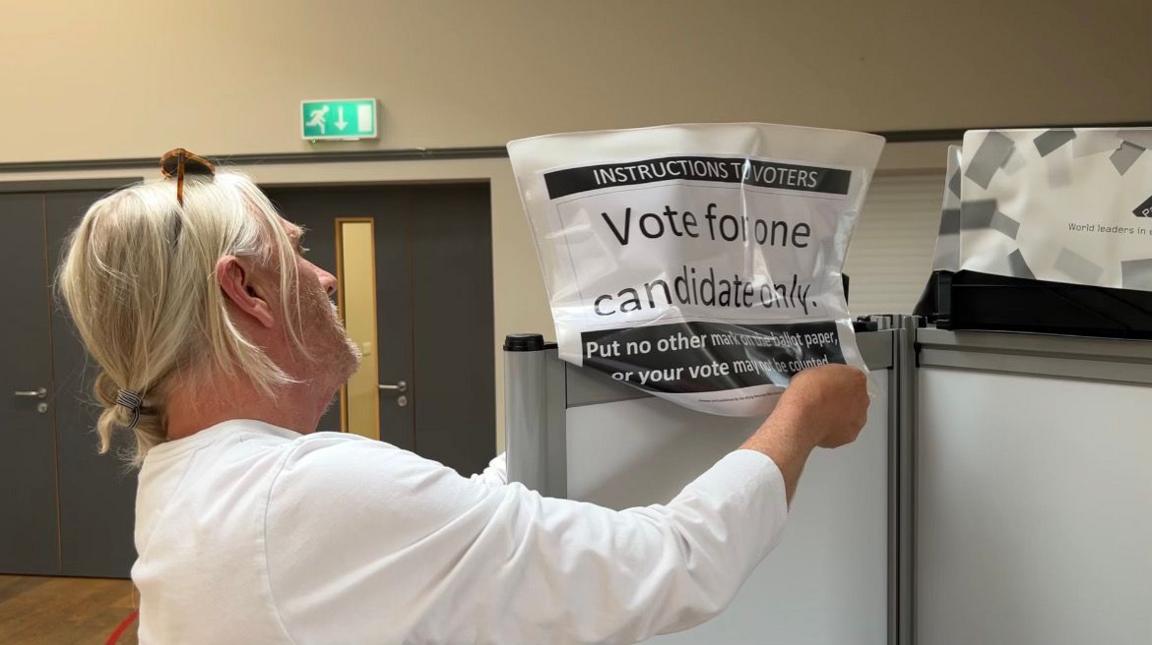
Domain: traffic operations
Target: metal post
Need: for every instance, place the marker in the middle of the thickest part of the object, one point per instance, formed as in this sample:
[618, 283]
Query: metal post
[526, 409]
[901, 508]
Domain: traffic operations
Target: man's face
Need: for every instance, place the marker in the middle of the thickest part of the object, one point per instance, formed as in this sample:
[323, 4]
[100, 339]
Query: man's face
[333, 354]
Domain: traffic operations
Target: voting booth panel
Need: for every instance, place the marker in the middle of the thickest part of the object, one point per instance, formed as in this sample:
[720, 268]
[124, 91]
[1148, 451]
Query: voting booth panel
[1033, 490]
[829, 581]
[998, 494]
[825, 581]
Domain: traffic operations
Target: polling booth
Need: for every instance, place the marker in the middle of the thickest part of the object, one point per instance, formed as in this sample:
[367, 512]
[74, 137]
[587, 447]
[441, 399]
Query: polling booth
[1032, 489]
[1032, 480]
[1000, 492]
[838, 574]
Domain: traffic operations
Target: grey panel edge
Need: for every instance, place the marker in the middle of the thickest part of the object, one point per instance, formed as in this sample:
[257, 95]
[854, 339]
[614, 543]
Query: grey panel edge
[1078, 347]
[1036, 365]
[588, 387]
[902, 413]
[892, 568]
[876, 347]
[556, 420]
[58, 185]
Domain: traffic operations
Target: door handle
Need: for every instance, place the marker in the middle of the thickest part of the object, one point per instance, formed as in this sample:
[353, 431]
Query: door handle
[399, 388]
[41, 393]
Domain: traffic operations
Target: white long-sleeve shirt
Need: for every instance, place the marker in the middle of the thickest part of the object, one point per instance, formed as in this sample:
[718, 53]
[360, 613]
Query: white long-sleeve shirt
[250, 533]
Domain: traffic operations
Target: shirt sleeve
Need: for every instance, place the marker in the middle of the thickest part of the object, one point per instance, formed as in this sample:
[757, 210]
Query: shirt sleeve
[372, 543]
[496, 474]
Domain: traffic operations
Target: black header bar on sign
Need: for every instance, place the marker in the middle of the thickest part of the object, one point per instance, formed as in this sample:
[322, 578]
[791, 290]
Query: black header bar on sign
[767, 174]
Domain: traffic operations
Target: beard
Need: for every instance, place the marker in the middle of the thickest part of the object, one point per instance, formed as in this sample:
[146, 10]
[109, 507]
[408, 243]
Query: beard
[351, 351]
[330, 353]
[343, 362]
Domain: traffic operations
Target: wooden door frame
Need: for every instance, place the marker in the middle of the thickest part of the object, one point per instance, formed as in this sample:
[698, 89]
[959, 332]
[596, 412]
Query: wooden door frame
[338, 238]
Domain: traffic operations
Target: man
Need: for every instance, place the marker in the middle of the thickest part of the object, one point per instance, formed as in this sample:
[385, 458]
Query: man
[220, 348]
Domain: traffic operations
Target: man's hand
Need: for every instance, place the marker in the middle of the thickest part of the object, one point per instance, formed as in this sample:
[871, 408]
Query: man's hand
[830, 402]
[826, 406]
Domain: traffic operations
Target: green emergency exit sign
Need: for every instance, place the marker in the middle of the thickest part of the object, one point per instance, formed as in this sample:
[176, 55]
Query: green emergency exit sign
[341, 119]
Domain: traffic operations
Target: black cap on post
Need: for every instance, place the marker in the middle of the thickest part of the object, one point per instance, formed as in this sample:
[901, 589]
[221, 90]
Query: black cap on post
[524, 343]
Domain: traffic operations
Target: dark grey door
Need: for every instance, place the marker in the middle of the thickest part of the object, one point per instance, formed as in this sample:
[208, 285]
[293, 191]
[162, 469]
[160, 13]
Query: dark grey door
[29, 537]
[451, 266]
[434, 308]
[97, 492]
[66, 509]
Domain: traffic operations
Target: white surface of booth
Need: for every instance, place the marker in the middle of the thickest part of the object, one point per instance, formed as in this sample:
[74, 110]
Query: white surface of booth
[1000, 495]
[827, 583]
[1033, 490]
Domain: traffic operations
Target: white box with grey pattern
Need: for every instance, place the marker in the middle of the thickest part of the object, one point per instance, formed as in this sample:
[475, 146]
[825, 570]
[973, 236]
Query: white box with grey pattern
[1067, 205]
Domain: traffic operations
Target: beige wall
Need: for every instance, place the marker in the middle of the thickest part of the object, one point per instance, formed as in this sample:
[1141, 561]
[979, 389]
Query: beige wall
[88, 78]
[82, 79]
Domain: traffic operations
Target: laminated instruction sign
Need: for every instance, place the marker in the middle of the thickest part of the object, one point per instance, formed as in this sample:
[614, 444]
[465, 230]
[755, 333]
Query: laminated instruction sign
[698, 262]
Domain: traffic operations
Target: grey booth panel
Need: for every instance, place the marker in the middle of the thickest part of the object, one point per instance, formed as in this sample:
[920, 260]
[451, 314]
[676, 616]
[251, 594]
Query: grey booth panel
[1033, 486]
[1104, 359]
[599, 440]
[826, 583]
[539, 387]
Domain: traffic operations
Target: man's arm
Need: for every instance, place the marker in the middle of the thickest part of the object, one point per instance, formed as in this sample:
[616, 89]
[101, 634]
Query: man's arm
[496, 474]
[380, 544]
[825, 407]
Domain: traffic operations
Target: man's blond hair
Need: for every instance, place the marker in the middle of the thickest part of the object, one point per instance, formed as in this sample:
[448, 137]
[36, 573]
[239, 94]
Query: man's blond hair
[138, 277]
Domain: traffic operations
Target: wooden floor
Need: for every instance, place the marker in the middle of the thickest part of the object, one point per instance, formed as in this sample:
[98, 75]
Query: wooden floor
[35, 609]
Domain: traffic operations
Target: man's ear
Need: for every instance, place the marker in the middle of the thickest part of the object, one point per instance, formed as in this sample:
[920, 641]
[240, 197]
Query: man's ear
[235, 277]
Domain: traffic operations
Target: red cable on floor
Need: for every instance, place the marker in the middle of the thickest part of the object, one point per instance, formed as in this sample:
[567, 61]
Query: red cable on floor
[122, 627]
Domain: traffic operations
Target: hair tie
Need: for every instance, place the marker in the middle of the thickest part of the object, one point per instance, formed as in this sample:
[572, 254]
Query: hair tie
[133, 401]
